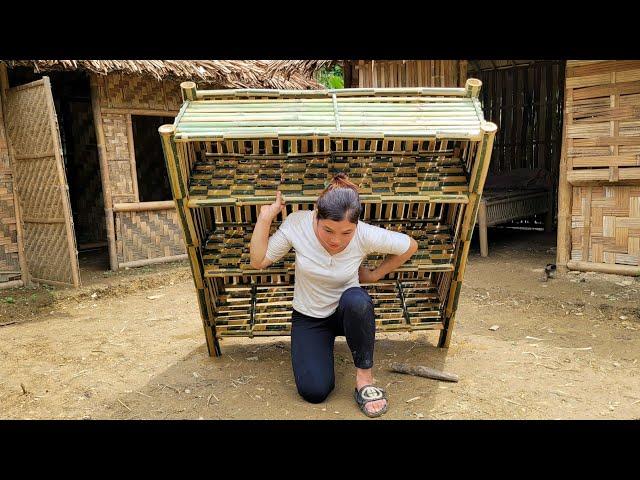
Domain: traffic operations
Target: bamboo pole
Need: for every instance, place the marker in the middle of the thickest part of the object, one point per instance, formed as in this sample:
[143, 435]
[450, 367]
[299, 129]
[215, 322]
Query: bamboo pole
[604, 268]
[563, 247]
[179, 191]
[472, 87]
[104, 173]
[139, 111]
[188, 91]
[144, 206]
[22, 259]
[12, 284]
[476, 186]
[154, 261]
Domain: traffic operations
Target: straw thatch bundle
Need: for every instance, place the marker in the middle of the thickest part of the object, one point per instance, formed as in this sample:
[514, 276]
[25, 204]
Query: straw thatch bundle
[288, 68]
[216, 73]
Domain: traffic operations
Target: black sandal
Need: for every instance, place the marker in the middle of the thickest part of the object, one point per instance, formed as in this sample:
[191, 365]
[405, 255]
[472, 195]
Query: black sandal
[371, 393]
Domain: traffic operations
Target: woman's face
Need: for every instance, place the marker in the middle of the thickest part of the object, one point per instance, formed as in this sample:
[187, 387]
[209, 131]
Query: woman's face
[335, 236]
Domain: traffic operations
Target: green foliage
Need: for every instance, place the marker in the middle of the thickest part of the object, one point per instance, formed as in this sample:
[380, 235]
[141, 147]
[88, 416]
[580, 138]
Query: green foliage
[331, 77]
[9, 300]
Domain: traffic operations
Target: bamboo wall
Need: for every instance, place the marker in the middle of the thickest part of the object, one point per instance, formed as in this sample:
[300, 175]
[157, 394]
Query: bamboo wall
[599, 214]
[141, 235]
[9, 261]
[405, 73]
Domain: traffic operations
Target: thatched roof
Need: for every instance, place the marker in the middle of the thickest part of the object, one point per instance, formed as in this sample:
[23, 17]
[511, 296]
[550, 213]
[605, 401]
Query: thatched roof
[291, 67]
[216, 73]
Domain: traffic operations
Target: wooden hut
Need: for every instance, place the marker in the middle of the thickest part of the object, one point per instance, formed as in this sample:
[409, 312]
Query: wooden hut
[81, 164]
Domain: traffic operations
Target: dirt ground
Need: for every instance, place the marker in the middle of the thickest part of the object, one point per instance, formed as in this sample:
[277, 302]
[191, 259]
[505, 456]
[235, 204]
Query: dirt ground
[130, 345]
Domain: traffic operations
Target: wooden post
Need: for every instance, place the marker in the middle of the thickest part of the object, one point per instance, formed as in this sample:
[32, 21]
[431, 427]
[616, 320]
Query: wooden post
[565, 190]
[24, 266]
[104, 172]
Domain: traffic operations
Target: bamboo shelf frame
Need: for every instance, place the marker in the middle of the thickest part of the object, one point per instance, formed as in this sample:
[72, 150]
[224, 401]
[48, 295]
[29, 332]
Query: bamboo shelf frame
[420, 157]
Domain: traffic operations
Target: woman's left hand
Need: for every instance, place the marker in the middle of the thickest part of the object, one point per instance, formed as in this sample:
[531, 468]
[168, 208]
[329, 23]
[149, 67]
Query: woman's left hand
[367, 276]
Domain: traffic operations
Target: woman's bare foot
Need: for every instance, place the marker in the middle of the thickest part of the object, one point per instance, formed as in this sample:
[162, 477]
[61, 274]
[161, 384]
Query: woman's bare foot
[365, 377]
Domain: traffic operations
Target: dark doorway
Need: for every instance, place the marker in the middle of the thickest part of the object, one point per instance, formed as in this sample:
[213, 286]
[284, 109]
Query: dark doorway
[151, 171]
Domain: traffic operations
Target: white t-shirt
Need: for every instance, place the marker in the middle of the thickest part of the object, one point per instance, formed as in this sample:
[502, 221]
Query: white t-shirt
[320, 278]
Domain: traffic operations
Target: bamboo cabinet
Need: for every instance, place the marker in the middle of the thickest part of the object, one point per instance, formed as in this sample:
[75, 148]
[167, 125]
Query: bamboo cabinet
[419, 156]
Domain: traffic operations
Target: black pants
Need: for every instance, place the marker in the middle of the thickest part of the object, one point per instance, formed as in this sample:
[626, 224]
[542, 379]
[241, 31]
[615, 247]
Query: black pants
[312, 341]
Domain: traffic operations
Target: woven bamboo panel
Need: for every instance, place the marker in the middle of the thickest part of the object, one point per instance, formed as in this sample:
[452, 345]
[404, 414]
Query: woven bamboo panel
[146, 235]
[406, 73]
[132, 92]
[42, 192]
[605, 225]
[8, 232]
[9, 261]
[603, 160]
[47, 252]
[118, 157]
[603, 122]
[173, 94]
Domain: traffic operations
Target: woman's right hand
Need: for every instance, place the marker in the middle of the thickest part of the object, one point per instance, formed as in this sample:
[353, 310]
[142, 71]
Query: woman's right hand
[271, 211]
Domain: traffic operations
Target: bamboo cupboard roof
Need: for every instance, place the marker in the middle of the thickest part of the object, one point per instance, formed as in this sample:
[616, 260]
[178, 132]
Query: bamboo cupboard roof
[385, 112]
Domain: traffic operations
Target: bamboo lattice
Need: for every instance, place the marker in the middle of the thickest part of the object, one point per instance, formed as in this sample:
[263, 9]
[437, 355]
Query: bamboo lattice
[145, 235]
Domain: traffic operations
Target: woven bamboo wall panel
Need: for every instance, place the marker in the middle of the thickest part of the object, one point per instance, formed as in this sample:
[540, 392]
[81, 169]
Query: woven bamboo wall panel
[173, 94]
[605, 225]
[5, 167]
[146, 235]
[115, 136]
[603, 122]
[8, 232]
[138, 92]
[407, 73]
[118, 157]
[26, 117]
[9, 261]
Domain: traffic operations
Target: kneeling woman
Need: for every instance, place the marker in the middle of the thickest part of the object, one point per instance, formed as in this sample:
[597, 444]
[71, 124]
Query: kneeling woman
[330, 244]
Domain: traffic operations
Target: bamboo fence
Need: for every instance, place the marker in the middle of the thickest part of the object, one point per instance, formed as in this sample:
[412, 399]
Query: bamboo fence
[419, 156]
